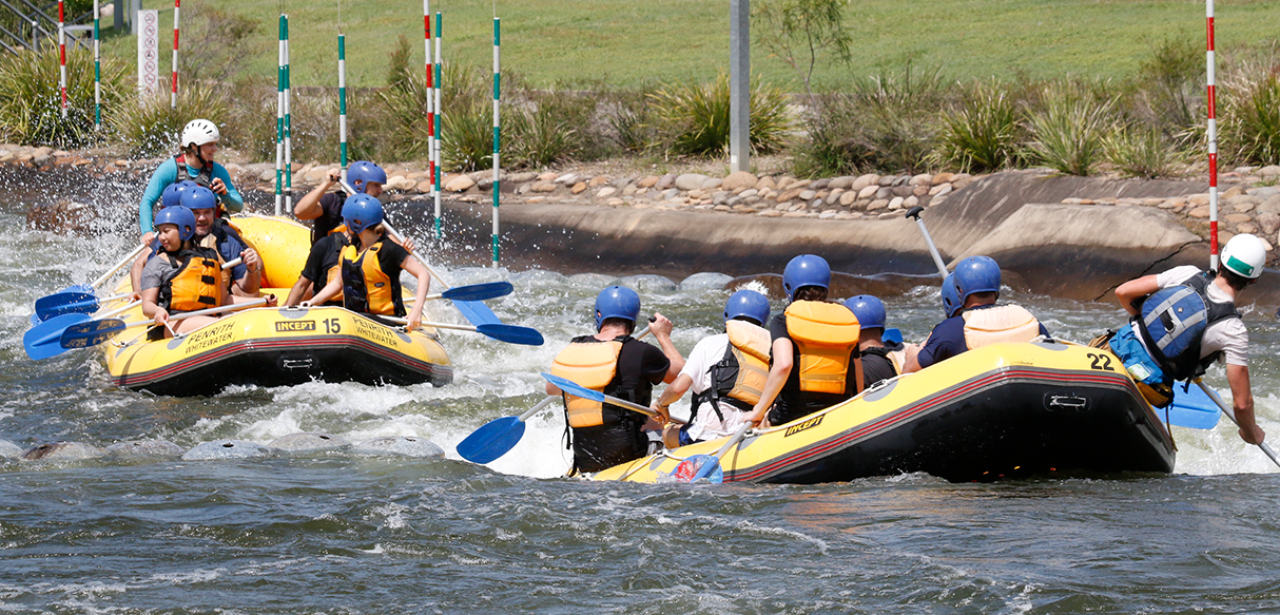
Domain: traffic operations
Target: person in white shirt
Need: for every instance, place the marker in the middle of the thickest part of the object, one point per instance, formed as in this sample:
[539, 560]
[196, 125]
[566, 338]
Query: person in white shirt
[726, 373]
[1185, 320]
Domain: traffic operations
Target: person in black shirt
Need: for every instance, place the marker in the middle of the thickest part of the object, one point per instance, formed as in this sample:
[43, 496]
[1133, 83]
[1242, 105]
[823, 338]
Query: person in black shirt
[880, 361]
[324, 208]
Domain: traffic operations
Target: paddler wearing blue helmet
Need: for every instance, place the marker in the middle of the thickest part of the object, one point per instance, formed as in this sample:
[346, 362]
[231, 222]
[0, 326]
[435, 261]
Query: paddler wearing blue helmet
[979, 321]
[611, 361]
[880, 361]
[324, 208]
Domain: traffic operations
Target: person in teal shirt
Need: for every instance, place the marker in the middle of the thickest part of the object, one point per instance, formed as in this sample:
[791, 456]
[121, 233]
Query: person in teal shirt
[199, 145]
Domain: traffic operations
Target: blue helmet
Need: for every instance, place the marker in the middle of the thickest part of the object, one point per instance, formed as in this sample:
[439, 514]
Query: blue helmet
[617, 302]
[976, 274]
[950, 296]
[868, 309]
[172, 195]
[361, 172]
[805, 270]
[747, 303]
[198, 197]
[361, 211]
[181, 217]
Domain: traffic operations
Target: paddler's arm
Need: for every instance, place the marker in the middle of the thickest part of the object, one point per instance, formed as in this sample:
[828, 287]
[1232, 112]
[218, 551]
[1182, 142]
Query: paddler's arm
[1242, 400]
[227, 193]
[251, 282]
[661, 330]
[298, 293]
[328, 292]
[1129, 292]
[308, 207]
[420, 297]
[671, 395]
[778, 375]
[135, 272]
[151, 308]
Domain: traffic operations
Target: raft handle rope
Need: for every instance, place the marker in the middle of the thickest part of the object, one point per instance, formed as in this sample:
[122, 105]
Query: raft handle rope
[648, 461]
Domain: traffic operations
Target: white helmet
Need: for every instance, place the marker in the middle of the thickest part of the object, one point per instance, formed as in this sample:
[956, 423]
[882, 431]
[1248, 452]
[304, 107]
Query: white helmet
[1245, 256]
[199, 132]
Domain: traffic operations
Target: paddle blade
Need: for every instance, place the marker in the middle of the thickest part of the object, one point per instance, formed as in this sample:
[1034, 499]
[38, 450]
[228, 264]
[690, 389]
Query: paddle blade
[1191, 408]
[42, 340]
[699, 467]
[66, 303]
[573, 388]
[91, 333]
[493, 440]
[477, 313]
[891, 336]
[479, 292]
[511, 334]
[79, 288]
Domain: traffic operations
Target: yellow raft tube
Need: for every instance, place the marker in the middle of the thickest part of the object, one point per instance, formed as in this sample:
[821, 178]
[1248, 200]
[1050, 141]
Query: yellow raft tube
[275, 346]
[999, 411]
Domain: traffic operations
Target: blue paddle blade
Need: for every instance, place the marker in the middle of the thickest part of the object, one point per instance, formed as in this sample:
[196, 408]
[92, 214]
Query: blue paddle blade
[91, 333]
[66, 303]
[574, 388]
[78, 288]
[479, 292]
[35, 319]
[511, 334]
[891, 336]
[43, 340]
[492, 440]
[1191, 408]
[477, 313]
[699, 467]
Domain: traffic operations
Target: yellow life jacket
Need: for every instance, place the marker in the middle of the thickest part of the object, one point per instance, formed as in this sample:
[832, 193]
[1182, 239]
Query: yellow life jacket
[999, 325]
[197, 283]
[741, 374]
[365, 287]
[826, 335]
[592, 365]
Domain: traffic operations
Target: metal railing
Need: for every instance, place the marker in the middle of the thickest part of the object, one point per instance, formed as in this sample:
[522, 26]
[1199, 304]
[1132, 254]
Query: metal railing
[35, 25]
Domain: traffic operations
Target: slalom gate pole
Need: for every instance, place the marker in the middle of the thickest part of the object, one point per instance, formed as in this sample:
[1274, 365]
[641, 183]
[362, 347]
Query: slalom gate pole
[439, 126]
[173, 91]
[62, 56]
[1212, 133]
[497, 132]
[431, 107]
[288, 125]
[97, 68]
[342, 104]
[280, 121]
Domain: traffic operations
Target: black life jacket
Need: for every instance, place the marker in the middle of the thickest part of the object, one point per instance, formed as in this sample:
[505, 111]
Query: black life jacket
[203, 178]
[1172, 322]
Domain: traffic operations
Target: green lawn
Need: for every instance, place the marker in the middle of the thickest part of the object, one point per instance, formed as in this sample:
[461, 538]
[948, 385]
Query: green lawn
[630, 43]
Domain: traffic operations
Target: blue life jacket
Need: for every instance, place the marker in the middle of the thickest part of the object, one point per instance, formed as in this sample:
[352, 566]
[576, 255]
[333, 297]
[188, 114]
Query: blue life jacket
[1172, 322]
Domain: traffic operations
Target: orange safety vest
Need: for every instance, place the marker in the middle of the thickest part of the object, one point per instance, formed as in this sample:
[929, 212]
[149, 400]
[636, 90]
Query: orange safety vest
[196, 284]
[826, 335]
[592, 365]
[749, 346]
[365, 286]
[999, 325]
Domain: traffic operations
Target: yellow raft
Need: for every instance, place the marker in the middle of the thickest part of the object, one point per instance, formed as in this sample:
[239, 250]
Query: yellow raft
[995, 412]
[275, 346]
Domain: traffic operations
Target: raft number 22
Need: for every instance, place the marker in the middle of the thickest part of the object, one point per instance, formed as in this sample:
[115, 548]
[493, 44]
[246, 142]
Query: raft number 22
[1100, 361]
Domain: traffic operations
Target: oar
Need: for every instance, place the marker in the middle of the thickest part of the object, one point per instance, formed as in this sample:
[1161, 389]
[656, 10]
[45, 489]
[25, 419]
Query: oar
[474, 292]
[573, 388]
[708, 466]
[510, 334]
[95, 332]
[67, 302]
[44, 340]
[914, 212]
[89, 288]
[1191, 408]
[1232, 415]
[497, 437]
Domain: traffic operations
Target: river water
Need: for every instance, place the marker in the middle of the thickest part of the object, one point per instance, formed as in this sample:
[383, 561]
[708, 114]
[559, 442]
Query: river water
[344, 534]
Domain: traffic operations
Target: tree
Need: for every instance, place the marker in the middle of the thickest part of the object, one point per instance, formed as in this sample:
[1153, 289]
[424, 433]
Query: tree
[799, 31]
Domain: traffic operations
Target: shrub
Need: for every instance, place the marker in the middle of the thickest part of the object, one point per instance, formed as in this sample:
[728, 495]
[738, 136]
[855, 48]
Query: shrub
[148, 127]
[1068, 128]
[1171, 84]
[629, 118]
[1144, 152]
[31, 101]
[1250, 102]
[692, 119]
[984, 134]
[541, 136]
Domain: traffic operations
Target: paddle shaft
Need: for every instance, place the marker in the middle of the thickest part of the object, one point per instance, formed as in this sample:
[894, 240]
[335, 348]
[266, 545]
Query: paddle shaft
[204, 312]
[124, 261]
[1230, 412]
[933, 250]
[538, 407]
[400, 239]
[438, 325]
[121, 310]
[708, 468]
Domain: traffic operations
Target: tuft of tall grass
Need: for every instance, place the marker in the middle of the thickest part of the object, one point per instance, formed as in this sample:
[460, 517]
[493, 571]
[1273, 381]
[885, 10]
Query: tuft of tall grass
[31, 101]
[1171, 84]
[1069, 127]
[1250, 124]
[985, 133]
[149, 128]
[1143, 152]
[692, 118]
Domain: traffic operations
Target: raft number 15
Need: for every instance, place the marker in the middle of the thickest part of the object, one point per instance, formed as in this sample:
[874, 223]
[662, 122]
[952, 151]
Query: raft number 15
[1100, 361]
[333, 325]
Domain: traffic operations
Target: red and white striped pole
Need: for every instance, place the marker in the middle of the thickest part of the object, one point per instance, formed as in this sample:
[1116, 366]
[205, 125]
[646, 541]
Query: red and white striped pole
[173, 94]
[1212, 133]
[62, 56]
[431, 120]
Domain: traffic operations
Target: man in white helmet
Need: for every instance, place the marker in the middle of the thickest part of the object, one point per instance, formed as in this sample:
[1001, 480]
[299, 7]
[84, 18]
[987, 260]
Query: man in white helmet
[1184, 320]
[199, 143]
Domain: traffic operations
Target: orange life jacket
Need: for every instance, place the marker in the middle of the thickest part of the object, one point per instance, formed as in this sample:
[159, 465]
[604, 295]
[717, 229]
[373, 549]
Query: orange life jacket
[592, 365]
[999, 325]
[826, 335]
[196, 284]
[366, 287]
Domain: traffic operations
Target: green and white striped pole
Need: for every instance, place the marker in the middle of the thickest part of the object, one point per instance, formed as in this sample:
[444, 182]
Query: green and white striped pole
[342, 103]
[497, 131]
[280, 121]
[439, 126]
[288, 125]
[97, 69]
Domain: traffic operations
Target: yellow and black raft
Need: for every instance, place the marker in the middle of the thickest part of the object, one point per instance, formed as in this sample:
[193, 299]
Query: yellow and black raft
[275, 346]
[998, 411]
